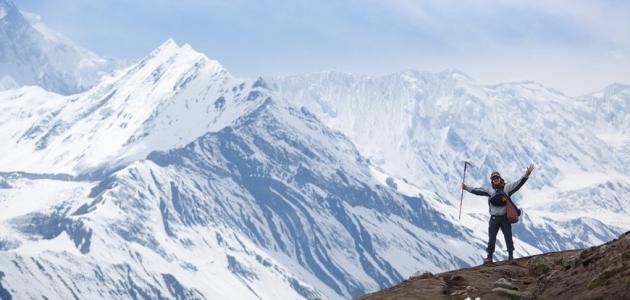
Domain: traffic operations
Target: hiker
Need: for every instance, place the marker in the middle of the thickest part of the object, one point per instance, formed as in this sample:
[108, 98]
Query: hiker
[497, 201]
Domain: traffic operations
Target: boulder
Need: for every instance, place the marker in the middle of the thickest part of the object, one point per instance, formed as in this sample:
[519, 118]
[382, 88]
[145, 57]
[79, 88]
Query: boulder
[539, 265]
[504, 283]
[602, 277]
[512, 293]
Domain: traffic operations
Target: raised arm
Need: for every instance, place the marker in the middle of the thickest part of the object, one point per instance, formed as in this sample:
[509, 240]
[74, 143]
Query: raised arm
[513, 187]
[476, 191]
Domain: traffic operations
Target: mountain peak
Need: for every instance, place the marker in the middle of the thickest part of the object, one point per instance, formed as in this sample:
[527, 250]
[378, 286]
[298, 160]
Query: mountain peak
[5, 7]
[171, 45]
[168, 44]
[32, 54]
[167, 99]
[457, 74]
[169, 49]
[8, 13]
[261, 83]
[616, 88]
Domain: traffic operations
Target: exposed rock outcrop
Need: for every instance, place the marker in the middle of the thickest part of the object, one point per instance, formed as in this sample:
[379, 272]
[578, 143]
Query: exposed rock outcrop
[601, 272]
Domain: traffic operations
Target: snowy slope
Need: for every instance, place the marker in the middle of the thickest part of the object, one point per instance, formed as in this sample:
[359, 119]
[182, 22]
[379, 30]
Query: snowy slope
[53, 248]
[171, 179]
[609, 111]
[419, 127]
[275, 205]
[168, 99]
[32, 54]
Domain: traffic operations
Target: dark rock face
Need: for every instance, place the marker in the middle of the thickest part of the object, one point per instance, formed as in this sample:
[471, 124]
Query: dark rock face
[4, 294]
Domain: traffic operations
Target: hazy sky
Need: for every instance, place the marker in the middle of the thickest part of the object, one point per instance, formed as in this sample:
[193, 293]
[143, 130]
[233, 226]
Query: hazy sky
[575, 46]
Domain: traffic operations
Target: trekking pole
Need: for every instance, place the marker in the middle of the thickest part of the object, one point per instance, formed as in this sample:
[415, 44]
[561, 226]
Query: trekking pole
[461, 199]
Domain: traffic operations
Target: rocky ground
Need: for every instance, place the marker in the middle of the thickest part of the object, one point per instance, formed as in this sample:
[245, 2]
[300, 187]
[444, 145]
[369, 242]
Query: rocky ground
[600, 272]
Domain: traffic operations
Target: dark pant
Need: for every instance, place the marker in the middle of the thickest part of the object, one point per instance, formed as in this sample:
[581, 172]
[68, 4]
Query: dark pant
[495, 223]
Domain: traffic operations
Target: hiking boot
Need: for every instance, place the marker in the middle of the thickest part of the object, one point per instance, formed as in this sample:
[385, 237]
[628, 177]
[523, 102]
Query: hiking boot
[487, 260]
[511, 259]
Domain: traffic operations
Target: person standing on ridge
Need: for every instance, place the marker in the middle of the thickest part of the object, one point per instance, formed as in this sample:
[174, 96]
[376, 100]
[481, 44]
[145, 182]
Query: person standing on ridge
[498, 196]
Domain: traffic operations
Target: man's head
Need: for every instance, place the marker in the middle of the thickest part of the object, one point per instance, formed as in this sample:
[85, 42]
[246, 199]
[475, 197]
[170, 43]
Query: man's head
[496, 180]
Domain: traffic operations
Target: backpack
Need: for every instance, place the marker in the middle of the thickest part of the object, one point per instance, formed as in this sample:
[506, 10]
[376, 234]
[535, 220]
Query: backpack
[512, 211]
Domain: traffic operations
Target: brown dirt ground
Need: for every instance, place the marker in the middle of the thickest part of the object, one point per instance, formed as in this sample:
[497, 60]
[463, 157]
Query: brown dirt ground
[601, 272]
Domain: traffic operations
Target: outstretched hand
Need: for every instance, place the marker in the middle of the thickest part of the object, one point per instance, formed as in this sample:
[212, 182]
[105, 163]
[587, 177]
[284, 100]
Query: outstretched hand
[530, 169]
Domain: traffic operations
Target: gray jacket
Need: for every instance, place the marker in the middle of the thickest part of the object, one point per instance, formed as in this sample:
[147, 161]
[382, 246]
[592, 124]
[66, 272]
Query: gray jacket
[509, 189]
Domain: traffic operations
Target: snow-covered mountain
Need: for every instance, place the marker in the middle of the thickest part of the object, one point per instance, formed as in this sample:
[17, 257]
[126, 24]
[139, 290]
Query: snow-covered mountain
[422, 126]
[172, 179]
[419, 127]
[166, 100]
[436, 120]
[33, 54]
[255, 199]
[608, 111]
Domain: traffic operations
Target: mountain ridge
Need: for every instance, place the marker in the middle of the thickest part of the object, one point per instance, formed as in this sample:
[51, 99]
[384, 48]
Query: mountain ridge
[163, 208]
[126, 116]
[434, 122]
[281, 198]
[173, 179]
[33, 54]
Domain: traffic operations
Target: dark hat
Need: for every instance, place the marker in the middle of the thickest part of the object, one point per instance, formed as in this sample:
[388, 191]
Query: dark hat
[495, 174]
